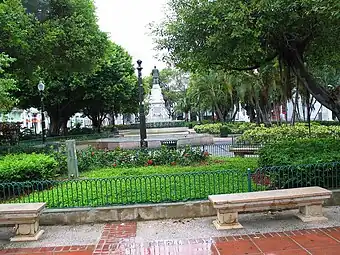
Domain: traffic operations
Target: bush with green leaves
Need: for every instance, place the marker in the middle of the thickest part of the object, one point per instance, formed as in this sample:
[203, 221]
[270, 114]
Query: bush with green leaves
[91, 157]
[234, 127]
[324, 175]
[262, 135]
[300, 151]
[27, 167]
[213, 129]
[225, 131]
[56, 150]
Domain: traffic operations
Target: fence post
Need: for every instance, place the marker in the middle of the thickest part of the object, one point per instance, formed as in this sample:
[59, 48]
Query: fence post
[72, 163]
[249, 179]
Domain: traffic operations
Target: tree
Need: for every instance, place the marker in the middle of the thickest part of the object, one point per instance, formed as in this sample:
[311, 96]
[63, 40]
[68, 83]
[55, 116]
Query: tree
[62, 44]
[246, 35]
[113, 89]
[174, 84]
[6, 83]
[212, 91]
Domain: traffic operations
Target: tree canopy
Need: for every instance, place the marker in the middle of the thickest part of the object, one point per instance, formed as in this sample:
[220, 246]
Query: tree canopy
[6, 83]
[56, 41]
[113, 88]
[299, 35]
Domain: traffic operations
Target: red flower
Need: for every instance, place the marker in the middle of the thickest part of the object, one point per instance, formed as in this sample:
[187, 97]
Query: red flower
[114, 165]
[150, 162]
[92, 153]
[173, 163]
[206, 153]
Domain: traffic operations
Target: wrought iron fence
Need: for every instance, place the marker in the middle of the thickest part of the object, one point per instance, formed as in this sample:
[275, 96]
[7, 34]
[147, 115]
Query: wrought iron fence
[168, 187]
[125, 190]
[230, 150]
[219, 149]
[325, 175]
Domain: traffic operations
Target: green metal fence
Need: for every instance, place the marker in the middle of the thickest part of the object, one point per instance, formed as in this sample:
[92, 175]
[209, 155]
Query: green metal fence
[325, 175]
[125, 190]
[168, 187]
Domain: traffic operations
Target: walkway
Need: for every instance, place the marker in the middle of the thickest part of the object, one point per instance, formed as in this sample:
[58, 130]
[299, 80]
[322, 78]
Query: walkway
[118, 239]
[190, 237]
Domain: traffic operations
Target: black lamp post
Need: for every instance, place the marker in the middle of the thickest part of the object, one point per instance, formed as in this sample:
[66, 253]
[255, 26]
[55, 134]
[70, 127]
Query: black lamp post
[142, 125]
[41, 87]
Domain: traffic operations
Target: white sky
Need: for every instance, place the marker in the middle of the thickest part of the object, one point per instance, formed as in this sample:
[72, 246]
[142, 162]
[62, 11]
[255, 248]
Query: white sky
[126, 21]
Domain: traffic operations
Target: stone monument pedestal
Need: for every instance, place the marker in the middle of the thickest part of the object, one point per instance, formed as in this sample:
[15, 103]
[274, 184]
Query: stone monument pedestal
[157, 110]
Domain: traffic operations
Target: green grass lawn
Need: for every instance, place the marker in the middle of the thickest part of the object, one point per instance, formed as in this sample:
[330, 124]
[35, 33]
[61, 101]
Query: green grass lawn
[117, 186]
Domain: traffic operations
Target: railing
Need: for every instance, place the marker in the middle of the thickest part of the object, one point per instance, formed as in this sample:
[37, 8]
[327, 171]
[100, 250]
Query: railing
[125, 190]
[168, 187]
[219, 150]
[325, 175]
[227, 150]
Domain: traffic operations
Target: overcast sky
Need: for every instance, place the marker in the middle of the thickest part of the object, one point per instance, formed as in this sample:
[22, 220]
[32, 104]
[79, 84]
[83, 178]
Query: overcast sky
[126, 21]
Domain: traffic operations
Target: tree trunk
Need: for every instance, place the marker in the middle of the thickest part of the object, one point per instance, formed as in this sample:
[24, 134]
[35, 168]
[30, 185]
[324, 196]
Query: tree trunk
[64, 128]
[324, 97]
[308, 111]
[264, 115]
[219, 113]
[54, 125]
[251, 113]
[295, 105]
[95, 122]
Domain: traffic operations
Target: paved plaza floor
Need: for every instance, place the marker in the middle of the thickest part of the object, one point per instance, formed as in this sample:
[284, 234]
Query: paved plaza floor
[278, 233]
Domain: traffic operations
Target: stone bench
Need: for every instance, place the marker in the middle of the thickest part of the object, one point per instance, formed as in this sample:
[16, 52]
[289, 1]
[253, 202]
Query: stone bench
[25, 217]
[309, 201]
[242, 151]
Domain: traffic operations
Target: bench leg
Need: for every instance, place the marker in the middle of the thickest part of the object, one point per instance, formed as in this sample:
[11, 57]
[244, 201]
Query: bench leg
[310, 213]
[227, 220]
[27, 232]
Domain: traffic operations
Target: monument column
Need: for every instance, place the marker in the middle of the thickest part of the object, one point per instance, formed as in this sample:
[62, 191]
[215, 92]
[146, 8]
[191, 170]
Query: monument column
[157, 109]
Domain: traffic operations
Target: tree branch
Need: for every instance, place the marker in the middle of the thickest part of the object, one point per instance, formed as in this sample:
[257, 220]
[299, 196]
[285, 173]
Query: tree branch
[255, 66]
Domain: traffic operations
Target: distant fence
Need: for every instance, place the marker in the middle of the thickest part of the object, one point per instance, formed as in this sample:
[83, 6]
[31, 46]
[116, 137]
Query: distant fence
[168, 187]
[218, 150]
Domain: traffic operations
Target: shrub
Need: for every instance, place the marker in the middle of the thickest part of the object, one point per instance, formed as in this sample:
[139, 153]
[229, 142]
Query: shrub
[225, 131]
[91, 157]
[208, 128]
[234, 127]
[300, 151]
[27, 167]
[325, 175]
[261, 135]
[9, 133]
[81, 131]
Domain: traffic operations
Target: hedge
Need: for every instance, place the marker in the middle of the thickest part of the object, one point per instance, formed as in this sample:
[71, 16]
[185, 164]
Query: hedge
[233, 127]
[26, 167]
[300, 151]
[261, 135]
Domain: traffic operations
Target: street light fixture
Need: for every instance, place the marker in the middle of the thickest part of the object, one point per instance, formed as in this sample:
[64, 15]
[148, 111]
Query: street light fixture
[142, 125]
[41, 88]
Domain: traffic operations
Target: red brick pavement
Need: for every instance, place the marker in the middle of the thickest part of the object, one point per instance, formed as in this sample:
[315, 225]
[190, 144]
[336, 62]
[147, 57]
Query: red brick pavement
[119, 239]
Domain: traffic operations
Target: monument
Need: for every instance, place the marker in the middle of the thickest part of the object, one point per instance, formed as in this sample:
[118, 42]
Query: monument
[157, 110]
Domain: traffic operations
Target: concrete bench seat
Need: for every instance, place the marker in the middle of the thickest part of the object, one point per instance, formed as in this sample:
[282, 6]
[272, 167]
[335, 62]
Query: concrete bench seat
[25, 217]
[309, 201]
[242, 151]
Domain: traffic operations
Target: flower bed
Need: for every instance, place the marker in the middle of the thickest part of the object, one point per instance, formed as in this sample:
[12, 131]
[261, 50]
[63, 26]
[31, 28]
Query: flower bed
[91, 157]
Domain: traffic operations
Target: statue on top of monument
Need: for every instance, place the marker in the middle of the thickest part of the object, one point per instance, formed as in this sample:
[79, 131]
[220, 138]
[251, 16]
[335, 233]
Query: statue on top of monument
[155, 76]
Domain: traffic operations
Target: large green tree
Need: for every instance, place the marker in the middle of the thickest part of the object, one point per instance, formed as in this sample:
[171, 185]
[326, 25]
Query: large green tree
[57, 41]
[113, 89]
[6, 84]
[245, 35]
